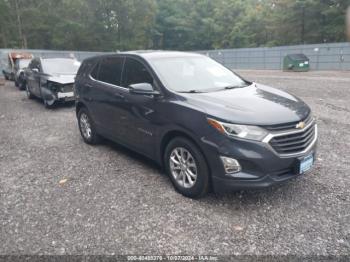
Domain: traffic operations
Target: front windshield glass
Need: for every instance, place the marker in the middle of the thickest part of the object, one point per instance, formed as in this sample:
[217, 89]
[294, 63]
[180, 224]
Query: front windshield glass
[23, 63]
[60, 66]
[195, 74]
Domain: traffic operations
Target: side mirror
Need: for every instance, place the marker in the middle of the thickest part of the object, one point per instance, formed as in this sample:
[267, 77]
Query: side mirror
[143, 89]
[36, 70]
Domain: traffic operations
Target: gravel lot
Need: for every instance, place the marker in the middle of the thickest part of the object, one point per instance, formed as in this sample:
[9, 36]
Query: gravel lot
[117, 202]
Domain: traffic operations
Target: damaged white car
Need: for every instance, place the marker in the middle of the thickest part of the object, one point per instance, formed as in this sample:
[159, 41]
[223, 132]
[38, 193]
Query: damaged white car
[51, 79]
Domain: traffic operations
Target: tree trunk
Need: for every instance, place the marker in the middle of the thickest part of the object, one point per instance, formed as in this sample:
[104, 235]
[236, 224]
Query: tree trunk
[22, 38]
[302, 36]
[3, 37]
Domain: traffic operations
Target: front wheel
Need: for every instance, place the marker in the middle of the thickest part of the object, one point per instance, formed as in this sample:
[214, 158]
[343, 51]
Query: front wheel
[49, 103]
[22, 85]
[87, 127]
[21, 82]
[187, 168]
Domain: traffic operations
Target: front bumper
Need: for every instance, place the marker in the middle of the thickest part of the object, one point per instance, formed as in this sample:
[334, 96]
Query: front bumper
[261, 166]
[224, 185]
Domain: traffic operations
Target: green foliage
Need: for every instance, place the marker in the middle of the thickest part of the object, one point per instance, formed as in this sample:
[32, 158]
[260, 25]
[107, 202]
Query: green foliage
[110, 25]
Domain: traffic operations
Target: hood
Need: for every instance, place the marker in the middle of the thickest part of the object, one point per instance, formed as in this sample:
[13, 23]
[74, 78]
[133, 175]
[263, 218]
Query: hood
[62, 79]
[252, 105]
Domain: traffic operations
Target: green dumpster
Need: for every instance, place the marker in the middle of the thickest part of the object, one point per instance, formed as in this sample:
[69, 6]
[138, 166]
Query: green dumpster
[296, 62]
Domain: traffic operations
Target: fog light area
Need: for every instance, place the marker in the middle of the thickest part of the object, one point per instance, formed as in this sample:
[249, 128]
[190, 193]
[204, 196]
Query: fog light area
[231, 165]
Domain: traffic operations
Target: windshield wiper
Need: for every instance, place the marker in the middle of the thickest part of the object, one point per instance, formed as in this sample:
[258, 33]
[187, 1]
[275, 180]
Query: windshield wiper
[193, 91]
[233, 87]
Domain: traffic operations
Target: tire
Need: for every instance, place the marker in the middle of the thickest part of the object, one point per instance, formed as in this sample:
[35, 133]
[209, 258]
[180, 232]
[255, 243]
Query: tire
[182, 183]
[22, 85]
[28, 93]
[49, 104]
[87, 127]
[21, 82]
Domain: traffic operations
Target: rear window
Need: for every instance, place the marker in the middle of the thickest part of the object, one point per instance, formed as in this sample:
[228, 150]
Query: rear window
[298, 57]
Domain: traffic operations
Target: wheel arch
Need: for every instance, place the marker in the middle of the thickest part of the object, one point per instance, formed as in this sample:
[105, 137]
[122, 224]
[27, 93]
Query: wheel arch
[168, 136]
[79, 105]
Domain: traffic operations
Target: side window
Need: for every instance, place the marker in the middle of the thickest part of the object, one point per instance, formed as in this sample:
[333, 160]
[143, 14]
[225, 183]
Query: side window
[94, 72]
[111, 70]
[135, 73]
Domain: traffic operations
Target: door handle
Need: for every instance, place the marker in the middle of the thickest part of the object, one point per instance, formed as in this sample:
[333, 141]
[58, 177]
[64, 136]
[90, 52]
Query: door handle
[119, 95]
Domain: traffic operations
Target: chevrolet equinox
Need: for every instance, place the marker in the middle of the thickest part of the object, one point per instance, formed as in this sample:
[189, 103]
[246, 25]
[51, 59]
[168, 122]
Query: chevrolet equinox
[208, 127]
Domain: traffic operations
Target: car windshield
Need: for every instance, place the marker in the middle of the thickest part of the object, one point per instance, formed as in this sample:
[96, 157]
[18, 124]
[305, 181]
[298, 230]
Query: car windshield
[60, 66]
[23, 63]
[195, 74]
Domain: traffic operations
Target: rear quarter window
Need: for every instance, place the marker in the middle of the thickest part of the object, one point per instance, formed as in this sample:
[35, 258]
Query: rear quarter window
[84, 68]
[94, 71]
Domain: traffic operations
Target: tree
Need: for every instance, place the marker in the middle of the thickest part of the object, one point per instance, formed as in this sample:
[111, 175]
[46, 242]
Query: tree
[110, 25]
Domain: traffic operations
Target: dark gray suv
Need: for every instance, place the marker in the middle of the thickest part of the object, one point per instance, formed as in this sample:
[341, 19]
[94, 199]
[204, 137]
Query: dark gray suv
[208, 127]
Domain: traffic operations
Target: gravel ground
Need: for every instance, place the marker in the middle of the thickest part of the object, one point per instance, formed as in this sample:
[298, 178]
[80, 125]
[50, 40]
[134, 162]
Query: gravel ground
[117, 202]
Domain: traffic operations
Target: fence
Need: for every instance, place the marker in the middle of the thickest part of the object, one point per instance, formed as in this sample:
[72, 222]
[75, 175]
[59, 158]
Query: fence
[334, 56]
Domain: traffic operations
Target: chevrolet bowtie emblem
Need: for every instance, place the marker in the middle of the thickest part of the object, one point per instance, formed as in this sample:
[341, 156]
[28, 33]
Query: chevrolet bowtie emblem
[300, 125]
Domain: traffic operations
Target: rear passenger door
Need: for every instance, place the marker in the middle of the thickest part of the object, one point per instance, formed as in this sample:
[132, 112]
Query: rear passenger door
[108, 99]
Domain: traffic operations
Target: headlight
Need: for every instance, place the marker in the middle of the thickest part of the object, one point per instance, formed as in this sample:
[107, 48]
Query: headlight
[240, 131]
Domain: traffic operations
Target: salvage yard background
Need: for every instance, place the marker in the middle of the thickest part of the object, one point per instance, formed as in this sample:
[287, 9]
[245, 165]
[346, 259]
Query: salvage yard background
[335, 56]
[113, 201]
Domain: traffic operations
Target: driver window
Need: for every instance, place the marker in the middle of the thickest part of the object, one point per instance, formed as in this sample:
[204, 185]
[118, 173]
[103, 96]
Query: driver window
[135, 73]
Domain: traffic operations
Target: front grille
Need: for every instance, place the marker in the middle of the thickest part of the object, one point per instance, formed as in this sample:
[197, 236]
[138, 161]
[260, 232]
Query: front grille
[67, 88]
[293, 143]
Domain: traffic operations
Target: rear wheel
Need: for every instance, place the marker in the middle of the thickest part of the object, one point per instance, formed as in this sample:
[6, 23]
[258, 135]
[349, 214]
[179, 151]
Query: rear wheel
[28, 93]
[186, 167]
[87, 127]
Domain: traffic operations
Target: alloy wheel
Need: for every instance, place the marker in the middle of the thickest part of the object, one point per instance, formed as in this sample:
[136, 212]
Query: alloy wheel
[183, 167]
[85, 126]
[28, 92]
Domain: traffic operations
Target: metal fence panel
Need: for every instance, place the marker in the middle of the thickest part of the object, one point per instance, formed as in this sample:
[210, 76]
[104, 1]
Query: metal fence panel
[333, 56]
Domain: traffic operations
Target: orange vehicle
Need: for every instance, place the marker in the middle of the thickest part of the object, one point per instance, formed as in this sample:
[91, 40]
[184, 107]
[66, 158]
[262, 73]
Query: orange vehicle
[9, 73]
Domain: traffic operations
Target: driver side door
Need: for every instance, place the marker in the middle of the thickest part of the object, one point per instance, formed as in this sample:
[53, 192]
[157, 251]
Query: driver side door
[140, 121]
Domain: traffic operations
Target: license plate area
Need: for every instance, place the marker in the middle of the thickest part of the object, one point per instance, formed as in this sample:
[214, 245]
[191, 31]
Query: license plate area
[306, 163]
